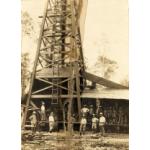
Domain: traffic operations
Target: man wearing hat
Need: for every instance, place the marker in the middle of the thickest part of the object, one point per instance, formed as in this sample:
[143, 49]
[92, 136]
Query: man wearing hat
[91, 110]
[102, 122]
[90, 116]
[83, 123]
[43, 113]
[84, 110]
[94, 123]
[33, 120]
[99, 109]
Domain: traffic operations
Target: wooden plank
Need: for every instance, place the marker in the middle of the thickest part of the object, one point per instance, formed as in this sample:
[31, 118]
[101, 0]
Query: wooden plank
[56, 35]
[104, 82]
[63, 16]
[37, 96]
[71, 82]
[43, 89]
[33, 104]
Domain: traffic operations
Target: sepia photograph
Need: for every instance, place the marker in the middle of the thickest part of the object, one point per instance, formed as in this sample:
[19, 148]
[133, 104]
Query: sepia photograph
[74, 75]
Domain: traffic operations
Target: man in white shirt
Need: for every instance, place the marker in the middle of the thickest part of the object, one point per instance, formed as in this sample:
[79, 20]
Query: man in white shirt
[83, 123]
[84, 110]
[102, 122]
[94, 123]
[43, 113]
[51, 122]
[33, 120]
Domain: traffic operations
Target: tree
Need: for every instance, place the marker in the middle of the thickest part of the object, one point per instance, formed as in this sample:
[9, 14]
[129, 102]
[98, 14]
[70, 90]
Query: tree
[27, 30]
[27, 24]
[25, 73]
[106, 66]
[125, 82]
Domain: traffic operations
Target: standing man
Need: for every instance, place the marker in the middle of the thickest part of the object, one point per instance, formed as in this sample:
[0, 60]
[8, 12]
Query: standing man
[99, 109]
[114, 116]
[102, 122]
[91, 110]
[43, 112]
[51, 122]
[83, 123]
[33, 121]
[22, 115]
[73, 119]
[94, 123]
[89, 118]
[120, 116]
[84, 110]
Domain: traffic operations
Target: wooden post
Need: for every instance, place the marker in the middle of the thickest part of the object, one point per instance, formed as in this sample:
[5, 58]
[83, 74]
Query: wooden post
[71, 86]
[78, 89]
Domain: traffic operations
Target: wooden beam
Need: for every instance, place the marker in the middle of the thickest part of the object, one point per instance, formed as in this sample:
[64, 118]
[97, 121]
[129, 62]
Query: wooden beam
[33, 104]
[104, 82]
[78, 88]
[40, 96]
[43, 89]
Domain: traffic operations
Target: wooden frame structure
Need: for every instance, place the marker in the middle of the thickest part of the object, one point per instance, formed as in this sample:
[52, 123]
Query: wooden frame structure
[59, 60]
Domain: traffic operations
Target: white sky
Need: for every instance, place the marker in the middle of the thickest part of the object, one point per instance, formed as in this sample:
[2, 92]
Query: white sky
[106, 32]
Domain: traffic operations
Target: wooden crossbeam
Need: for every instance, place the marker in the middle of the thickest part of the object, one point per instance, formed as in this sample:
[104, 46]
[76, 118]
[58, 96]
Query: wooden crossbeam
[51, 83]
[104, 82]
[43, 89]
[48, 87]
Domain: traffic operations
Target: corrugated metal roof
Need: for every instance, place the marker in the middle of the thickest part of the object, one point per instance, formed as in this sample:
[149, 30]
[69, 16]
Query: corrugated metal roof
[106, 93]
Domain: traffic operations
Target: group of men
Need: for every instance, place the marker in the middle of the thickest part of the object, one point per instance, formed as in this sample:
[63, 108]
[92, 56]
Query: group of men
[97, 123]
[33, 119]
[95, 119]
[88, 117]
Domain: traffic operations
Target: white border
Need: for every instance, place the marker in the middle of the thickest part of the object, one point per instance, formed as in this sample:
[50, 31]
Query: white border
[139, 48]
[139, 74]
[10, 45]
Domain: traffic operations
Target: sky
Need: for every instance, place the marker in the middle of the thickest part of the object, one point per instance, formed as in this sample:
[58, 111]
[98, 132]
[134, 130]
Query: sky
[105, 32]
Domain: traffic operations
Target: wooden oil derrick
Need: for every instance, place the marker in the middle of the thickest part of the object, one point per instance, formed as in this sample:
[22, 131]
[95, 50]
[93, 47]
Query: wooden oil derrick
[58, 64]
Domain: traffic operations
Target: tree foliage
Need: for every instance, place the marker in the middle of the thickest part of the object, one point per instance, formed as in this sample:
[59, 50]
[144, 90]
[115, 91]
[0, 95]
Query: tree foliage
[125, 82]
[27, 24]
[25, 73]
[106, 65]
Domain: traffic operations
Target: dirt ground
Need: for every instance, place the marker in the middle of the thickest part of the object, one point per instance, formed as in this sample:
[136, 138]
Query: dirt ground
[62, 141]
